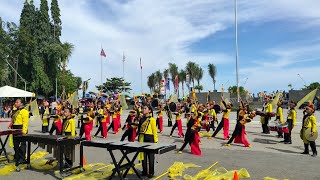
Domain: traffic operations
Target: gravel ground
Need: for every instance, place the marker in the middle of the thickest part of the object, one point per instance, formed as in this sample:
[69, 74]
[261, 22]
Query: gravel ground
[266, 157]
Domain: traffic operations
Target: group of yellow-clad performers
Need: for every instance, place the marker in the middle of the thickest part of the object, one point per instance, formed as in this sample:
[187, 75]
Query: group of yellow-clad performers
[145, 120]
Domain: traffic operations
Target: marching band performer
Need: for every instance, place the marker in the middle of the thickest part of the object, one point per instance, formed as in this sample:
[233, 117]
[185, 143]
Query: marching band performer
[168, 112]
[178, 123]
[56, 124]
[131, 124]
[279, 117]
[100, 115]
[87, 125]
[239, 133]
[310, 122]
[160, 118]
[225, 120]
[213, 115]
[147, 133]
[80, 111]
[45, 117]
[291, 120]
[267, 108]
[19, 120]
[192, 135]
[69, 129]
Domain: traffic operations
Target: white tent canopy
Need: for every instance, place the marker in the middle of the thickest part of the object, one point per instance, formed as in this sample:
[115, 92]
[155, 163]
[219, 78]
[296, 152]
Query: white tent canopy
[8, 91]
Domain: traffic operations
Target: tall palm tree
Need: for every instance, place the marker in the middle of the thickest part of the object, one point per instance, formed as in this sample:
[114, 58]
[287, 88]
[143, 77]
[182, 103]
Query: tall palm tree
[151, 82]
[173, 69]
[165, 75]
[158, 78]
[198, 74]
[213, 72]
[66, 54]
[191, 68]
[182, 79]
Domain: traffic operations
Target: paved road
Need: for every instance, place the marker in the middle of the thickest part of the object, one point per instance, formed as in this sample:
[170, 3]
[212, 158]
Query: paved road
[266, 157]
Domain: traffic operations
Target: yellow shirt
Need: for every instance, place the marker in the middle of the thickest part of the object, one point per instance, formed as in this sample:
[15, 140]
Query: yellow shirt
[193, 108]
[151, 129]
[310, 122]
[178, 116]
[280, 115]
[22, 119]
[45, 118]
[69, 127]
[293, 115]
[269, 108]
[213, 113]
[226, 114]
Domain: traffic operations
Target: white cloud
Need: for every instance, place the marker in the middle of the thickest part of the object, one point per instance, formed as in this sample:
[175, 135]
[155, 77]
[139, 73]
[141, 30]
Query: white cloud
[158, 31]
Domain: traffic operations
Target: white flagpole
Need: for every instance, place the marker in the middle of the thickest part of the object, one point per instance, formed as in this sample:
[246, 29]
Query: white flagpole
[141, 74]
[101, 65]
[236, 30]
[123, 71]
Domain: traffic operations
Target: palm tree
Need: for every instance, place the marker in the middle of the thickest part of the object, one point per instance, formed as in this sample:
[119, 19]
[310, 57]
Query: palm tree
[151, 82]
[182, 79]
[158, 78]
[198, 74]
[173, 69]
[66, 54]
[165, 75]
[213, 72]
[190, 69]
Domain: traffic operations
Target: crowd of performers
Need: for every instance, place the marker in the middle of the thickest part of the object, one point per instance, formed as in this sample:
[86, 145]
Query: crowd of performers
[145, 121]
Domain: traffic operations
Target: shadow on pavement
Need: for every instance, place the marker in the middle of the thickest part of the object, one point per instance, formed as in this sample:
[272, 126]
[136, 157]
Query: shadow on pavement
[283, 150]
[265, 141]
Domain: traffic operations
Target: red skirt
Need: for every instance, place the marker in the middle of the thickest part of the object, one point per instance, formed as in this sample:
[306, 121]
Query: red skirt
[87, 130]
[180, 133]
[134, 135]
[104, 127]
[225, 128]
[59, 126]
[160, 123]
[241, 139]
[195, 147]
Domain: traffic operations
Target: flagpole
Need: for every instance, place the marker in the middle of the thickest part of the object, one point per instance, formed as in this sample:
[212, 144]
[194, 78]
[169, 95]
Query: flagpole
[123, 72]
[141, 75]
[236, 30]
[101, 66]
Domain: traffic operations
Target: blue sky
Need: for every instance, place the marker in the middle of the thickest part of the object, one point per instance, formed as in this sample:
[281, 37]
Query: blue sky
[277, 39]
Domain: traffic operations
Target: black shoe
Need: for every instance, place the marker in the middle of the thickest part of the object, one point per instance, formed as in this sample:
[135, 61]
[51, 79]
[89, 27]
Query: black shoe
[150, 176]
[283, 142]
[304, 152]
[143, 174]
[314, 154]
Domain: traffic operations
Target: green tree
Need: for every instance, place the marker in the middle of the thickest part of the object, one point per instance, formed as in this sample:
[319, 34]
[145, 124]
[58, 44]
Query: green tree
[182, 79]
[233, 90]
[71, 84]
[151, 82]
[158, 78]
[198, 74]
[312, 86]
[213, 72]
[115, 84]
[173, 69]
[191, 68]
[198, 87]
[56, 26]
[66, 54]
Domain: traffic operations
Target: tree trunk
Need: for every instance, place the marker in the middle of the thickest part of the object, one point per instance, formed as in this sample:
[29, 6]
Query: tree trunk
[214, 85]
[182, 90]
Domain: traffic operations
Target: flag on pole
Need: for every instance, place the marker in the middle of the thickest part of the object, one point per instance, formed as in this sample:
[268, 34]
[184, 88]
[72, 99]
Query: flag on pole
[309, 97]
[140, 63]
[102, 53]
